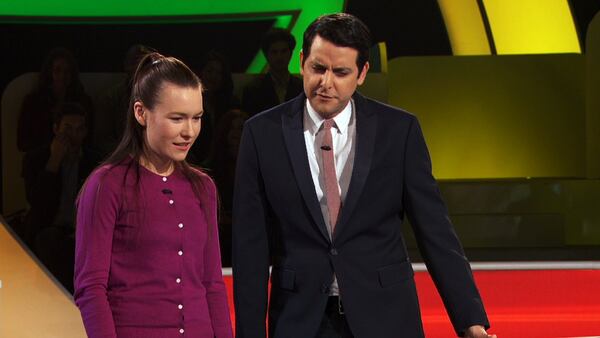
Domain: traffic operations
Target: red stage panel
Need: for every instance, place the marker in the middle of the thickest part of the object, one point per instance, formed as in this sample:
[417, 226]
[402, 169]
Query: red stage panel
[524, 303]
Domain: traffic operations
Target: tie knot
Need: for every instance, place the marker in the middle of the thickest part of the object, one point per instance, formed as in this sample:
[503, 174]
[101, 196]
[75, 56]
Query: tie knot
[327, 124]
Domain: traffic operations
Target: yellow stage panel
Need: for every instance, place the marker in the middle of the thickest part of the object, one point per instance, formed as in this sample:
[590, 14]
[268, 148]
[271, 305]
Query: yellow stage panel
[505, 116]
[32, 305]
[465, 27]
[532, 26]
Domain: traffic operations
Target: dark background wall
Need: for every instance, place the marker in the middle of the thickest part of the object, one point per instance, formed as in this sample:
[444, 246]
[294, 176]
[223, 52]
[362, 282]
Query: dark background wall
[409, 28]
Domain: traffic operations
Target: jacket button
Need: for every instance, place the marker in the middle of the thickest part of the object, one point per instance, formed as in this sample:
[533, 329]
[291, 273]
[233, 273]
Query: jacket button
[324, 288]
[333, 252]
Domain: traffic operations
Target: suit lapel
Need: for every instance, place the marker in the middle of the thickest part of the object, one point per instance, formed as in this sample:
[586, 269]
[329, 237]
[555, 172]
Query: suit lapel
[293, 134]
[366, 125]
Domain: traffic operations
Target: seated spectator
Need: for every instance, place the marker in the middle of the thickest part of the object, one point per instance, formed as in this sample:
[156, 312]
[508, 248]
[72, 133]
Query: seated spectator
[217, 84]
[53, 175]
[277, 85]
[114, 103]
[223, 157]
[58, 82]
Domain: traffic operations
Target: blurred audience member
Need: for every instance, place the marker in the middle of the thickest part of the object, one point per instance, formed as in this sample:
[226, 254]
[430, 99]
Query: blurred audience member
[53, 174]
[222, 162]
[58, 83]
[113, 104]
[218, 96]
[277, 85]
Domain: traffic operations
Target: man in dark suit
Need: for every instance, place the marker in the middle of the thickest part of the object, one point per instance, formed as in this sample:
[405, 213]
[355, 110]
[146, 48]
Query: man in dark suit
[323, 184]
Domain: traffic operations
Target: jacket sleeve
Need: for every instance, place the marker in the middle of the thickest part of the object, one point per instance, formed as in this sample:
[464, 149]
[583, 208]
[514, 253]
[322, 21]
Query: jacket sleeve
[250, 242]
[97, 210]
[438, 243]
[216, 293]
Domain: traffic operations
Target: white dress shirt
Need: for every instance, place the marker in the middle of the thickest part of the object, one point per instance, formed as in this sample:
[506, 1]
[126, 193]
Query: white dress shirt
[344, 144]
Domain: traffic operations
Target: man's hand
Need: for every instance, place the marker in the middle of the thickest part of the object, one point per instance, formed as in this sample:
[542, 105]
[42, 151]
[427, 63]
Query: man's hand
[478, 331]
[59, 147]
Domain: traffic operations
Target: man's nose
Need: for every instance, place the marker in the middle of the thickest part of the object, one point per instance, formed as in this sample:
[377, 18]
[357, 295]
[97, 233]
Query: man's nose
[326, 79]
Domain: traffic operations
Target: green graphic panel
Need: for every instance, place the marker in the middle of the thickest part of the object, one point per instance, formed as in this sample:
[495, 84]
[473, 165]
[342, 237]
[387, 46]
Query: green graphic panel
[295, 15]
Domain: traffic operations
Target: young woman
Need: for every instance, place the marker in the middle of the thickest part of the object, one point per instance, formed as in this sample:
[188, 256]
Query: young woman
[147, 258]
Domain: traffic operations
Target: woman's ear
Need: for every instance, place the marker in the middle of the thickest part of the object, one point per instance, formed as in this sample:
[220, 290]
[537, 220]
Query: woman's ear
[139, 111]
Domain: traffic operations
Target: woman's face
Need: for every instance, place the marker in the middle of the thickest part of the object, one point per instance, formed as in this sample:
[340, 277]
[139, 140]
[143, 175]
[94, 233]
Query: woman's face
[173, 124]
[61, 73]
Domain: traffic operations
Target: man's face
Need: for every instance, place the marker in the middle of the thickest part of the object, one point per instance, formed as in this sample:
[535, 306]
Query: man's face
[212, 76]
[278, 56]
[330, 76]
[73, 129]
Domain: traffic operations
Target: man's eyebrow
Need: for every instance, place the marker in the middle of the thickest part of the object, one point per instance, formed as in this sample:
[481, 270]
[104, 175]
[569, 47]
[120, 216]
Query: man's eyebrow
[317, 63]
[342, 69]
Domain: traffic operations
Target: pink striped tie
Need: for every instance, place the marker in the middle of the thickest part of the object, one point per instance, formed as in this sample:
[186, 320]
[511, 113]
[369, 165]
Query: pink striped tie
[332, 192]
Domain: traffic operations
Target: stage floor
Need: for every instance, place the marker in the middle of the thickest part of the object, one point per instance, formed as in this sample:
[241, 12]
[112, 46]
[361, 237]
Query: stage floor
[524, 299]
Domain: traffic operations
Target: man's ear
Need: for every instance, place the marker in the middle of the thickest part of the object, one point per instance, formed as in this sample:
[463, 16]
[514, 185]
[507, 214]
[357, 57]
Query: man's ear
[139, 111]
[363, 73]
[301, 62]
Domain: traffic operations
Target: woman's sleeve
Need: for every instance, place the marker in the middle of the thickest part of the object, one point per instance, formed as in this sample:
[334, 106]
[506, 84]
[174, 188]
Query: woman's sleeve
[97, 210]
[216, 293]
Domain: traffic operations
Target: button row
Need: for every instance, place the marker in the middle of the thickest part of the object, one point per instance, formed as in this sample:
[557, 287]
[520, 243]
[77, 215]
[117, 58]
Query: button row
[180, 253]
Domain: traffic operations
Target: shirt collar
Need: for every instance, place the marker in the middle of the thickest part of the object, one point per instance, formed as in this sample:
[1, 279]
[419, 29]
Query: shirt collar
[342, 120]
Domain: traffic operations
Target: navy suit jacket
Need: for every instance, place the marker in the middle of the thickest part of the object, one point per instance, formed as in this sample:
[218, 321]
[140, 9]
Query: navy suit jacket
[277, 220]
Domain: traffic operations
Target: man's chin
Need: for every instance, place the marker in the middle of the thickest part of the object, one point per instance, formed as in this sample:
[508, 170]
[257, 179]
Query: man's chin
[326, 111]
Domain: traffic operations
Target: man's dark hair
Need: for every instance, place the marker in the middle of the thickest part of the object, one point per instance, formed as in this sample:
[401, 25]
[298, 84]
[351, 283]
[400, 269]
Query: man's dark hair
[342, 30]
[276, 35]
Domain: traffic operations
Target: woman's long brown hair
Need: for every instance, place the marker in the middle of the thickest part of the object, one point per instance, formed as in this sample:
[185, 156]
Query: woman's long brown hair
[153, 71]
